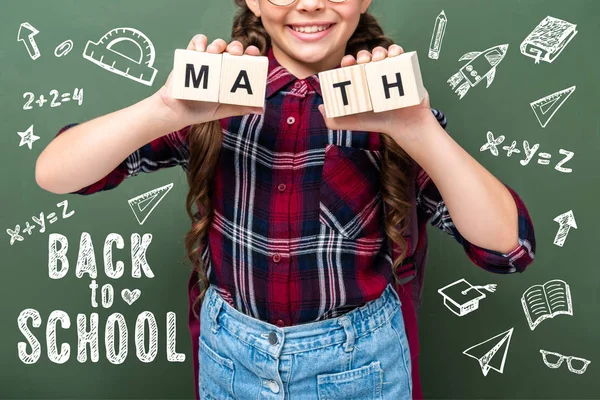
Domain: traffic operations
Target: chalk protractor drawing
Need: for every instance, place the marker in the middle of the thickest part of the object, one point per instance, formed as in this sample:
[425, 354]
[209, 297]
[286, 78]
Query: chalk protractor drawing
[491, 353]
[545, 108]
[126, 52]
[145, 203]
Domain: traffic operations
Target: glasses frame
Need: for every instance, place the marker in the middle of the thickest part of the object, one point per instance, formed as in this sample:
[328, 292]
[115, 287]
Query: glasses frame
[561, 358]
[293, 1]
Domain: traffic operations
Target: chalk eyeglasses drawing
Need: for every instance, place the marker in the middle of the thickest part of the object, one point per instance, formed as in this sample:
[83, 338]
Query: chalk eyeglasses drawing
[554, 360]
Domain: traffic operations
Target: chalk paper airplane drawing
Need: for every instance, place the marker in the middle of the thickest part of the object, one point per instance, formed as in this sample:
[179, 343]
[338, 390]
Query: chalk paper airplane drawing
[482, 64]
[461, 297]
[554, 360]
[126, 52]
[145, 203]
[546, 301]
[27, 35]
[548, 39]
[545, 108]
[491, 353]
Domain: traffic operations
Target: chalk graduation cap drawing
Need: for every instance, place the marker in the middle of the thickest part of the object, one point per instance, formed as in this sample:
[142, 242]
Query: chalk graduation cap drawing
[461, 297]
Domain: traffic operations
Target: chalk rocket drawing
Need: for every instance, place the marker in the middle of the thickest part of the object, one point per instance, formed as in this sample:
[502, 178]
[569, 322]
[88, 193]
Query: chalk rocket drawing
[545, 108]
[145, 203]
[137, 64]
[26, 35]
[437, 37]
[28, 137]
[548, 39]
[546, 301]
[554, 360]
[461, 297]
[485, 351]
[482, 64]
[566, 221]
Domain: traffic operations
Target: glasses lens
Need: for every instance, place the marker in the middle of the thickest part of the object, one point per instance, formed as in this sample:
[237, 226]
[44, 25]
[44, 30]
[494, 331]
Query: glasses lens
[551, 359]
[577, 365]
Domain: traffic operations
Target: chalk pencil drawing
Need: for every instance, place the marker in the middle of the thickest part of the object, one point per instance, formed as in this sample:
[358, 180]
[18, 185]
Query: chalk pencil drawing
[461, 297]
[482, 64]
[27, 35]
[27, 137]
[565, 221]
[554, 360]
[548, 39]
[136, 63]
[145, 203]
[545, 108]
[545, 301]
[491, 353]
[437, 37]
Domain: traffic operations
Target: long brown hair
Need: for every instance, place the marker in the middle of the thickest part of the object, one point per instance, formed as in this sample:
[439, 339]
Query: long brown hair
[205, 145]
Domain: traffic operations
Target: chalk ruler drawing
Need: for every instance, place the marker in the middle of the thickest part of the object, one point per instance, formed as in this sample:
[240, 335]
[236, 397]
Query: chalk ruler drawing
[145, 203]
[545, 108]
[546, 301]
[548, 39]
[485, 351]
[461, 297]
[566, 221]
[27, 137]
[482, 64]
[27, 35]
[554, 360]
[137, 65]
[437, 37]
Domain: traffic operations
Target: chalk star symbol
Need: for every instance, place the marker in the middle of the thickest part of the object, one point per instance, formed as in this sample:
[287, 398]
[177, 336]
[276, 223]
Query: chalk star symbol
[28, 137]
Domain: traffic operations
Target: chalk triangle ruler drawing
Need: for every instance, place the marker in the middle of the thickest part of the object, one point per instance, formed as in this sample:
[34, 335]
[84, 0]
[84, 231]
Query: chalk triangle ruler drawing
[545, 108]
[145, 203]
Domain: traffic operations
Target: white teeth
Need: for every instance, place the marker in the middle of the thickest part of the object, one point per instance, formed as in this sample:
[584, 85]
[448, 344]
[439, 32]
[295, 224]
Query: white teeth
[310, 29]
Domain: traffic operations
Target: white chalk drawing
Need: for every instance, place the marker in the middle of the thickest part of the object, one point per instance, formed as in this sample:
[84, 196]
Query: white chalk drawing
[554, 360]
[545, 108]
[437, 37]
[482, 64]
[126, 52]
[26, 35]
[27, 137]
[529, 152]
[55, 102]
[145, 203]
[15, 234]
[130, 296]
[548, 39]
[565, 221]
[64, 48]
[485, 351]
[546, 301]
[461, 297]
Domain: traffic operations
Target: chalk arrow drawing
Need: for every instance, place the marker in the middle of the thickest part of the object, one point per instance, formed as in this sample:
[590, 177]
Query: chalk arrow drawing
[565, 221]
[26, 35]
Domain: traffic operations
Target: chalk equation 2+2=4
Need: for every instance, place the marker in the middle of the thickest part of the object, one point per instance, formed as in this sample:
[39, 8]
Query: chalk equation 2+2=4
[55, 102]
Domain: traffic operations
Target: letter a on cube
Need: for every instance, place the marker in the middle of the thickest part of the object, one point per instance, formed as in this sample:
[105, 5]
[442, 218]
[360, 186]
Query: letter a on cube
[395, 82]
[196, 75]
[345, 91]
[244, 80]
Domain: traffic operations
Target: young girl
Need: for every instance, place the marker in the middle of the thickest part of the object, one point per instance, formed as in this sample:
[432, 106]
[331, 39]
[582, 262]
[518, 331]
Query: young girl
[310, 231]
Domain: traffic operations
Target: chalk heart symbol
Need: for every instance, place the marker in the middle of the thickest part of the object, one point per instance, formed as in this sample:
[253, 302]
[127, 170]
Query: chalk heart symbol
[130, 296]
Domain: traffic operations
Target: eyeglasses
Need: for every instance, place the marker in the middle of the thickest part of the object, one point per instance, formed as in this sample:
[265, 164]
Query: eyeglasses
[558, 361]
[284, 3]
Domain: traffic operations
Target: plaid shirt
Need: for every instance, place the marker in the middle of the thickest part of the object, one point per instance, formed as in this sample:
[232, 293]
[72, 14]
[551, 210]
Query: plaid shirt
[297, 233]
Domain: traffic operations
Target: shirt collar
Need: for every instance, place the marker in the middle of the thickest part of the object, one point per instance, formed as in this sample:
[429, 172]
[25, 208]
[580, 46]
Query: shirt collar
[278, 76]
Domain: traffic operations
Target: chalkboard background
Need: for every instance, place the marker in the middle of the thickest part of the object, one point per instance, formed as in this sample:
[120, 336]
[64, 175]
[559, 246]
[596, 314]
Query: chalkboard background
[502, 109]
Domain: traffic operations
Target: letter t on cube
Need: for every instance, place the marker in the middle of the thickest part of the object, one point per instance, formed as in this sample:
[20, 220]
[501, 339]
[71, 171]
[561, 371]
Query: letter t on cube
[345, 91]
[395, 82]
[196, 75]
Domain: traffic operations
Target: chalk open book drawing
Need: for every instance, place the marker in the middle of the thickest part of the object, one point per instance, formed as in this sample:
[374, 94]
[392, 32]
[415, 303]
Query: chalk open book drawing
[545, 301]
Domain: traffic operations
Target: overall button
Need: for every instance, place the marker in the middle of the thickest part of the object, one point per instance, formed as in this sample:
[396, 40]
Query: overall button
[280, 323]
[291, 120]
[276, 258]
[281, 187]
[274, 386]
[273, 338]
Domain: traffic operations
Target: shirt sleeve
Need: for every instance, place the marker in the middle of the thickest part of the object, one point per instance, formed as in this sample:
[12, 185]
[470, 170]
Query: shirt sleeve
[431, 203]
[163, 152]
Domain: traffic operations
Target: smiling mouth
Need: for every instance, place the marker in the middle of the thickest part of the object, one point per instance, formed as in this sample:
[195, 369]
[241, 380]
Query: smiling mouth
[310, 29]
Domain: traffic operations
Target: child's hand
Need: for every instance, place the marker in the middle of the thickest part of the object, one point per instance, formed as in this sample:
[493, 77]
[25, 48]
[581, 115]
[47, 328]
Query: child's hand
[391, 121]
[190, 112]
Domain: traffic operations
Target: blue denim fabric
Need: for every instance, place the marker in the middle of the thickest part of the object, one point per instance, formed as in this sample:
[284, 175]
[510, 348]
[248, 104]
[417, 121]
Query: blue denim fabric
[362, 354]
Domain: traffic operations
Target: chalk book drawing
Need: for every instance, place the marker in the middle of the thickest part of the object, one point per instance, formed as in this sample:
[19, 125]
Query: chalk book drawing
[482, 64]
[491, 353]
[548, 39]
[554, 360]
[546, 301]
[126, 52]
[545, 108]
[461, 297]
[145, 203]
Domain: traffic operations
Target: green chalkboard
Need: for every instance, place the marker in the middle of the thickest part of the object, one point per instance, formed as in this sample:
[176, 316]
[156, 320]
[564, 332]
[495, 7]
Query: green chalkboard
[543, 99]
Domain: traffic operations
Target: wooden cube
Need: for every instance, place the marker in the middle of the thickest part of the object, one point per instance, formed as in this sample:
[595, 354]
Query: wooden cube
[345, 91]
[395, 82]
[196, 75]
[244, 80]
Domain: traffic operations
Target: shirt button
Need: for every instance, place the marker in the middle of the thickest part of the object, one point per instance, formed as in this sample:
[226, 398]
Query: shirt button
[276, 258]
[280, 323]
[273, 338]
[297, 84]
[274, 386]
[281, 187]
[291, 120]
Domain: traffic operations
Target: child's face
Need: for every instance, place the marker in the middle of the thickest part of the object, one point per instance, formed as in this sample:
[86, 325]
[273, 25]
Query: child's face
[305, 54]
